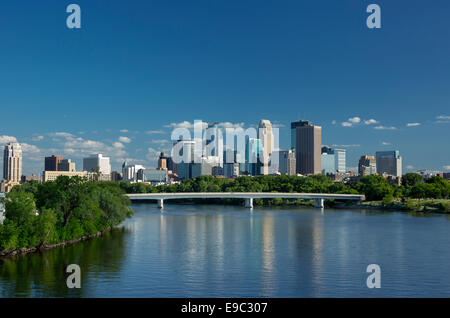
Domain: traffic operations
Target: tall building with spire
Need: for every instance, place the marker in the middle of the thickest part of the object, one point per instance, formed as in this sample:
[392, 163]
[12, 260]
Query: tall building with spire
[12, 162]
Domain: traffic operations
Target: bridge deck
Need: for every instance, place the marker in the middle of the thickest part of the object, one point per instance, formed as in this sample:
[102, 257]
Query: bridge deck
[243, 195]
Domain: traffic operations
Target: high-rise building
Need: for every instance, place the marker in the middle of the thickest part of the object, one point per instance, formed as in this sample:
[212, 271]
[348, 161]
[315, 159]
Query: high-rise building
[129, 172]
[328, 163]
[294, 126]
[51, 163]
[97, 161]
[12, 162]
[162, 162]
[389, 162]
[286, 161]
[66, 165]
[333, 160]
[265, 134]
[340, 160]
[308, 149]
[367, 166]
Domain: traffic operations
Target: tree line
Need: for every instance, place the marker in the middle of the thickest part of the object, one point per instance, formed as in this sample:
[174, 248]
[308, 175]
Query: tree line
[62, 210]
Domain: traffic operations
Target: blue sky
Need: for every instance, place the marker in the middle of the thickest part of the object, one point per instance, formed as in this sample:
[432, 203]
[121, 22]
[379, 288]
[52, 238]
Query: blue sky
[137, 68]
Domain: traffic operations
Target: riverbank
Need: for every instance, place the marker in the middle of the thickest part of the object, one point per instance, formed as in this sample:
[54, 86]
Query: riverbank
[409, 205]
[34, 249]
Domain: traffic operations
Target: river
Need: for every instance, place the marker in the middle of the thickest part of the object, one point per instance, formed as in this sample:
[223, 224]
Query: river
[229, 251]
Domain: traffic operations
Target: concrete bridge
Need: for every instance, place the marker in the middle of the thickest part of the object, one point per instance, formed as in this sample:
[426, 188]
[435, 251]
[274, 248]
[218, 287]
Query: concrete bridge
[247, 196]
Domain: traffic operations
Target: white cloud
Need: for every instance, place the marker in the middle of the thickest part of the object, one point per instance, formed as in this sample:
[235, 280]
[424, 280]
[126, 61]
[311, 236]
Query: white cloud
[443, 119]
[370, 121]
[354, 120]
[240, 125]
[384, 143]
[409, 167]
[37, 138]
[333, 122]
[189, 125]
[385, 128]
[124, 130]
[447, 167]
[29, 148]
[118, 145]
[412, 124]
[7, 139]
[184, 124]
[346, 146]
[160, 141]
[152, 132]
[61, 134]
[346, 124]
[124, 139]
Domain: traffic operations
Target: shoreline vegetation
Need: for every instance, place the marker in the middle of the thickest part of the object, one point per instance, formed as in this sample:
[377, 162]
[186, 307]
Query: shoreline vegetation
[71, 210]
[414, 194]
[59, 213]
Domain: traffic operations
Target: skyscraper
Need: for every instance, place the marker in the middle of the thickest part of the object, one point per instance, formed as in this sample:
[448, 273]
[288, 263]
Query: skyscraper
[389, 162]
[294, 126]
[51, 163]
[93, 162]
[340, 160]
[265, 134]
[308, 140]
[12, 162]
[287, 162]
[367, 166]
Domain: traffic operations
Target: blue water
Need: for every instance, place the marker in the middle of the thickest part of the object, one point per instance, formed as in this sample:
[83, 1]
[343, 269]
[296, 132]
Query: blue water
[224, 251]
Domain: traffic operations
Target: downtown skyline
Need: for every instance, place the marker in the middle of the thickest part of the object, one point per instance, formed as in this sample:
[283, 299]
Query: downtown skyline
[121, 83]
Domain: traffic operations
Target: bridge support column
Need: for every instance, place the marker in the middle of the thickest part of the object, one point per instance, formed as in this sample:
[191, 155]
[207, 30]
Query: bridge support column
[319, 203]
[160, 203]
[249, 203]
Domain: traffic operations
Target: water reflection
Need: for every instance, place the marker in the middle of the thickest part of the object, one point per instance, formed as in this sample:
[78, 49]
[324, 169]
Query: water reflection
[215, 251]
[44, 274]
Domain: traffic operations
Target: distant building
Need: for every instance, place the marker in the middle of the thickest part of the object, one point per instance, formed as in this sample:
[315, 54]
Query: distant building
[367, 166]
[308, 149]
[340, 160]
[153, 176]
[116, 176]
[389, 163]
[162, 162]
[265, 134]
[200, 169]
[129, 172]
[446, 175]
[33, 177]
[328, 163]
[97, 161]
[52, 163]
[294, 126]
[66, 165]
[333, 160]
[217, 171]
[53, 175]
[231, 170]
[12, 163]
[286, 161]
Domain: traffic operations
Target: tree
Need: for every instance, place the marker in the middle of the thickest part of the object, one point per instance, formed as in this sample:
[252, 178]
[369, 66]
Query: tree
[411, 179]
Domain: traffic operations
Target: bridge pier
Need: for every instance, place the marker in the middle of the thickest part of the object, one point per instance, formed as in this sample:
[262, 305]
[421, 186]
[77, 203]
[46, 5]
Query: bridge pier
[249, 203]
[160, 203]
[319, 203]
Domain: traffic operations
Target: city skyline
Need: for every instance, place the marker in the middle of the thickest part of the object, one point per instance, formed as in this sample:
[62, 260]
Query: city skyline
[121, 83]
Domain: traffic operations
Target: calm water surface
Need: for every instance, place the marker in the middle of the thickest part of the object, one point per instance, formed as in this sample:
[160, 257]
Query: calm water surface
[223, 251]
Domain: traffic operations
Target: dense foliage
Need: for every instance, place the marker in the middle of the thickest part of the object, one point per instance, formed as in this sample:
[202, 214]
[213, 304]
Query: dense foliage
[374, 187]
[66, 209]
